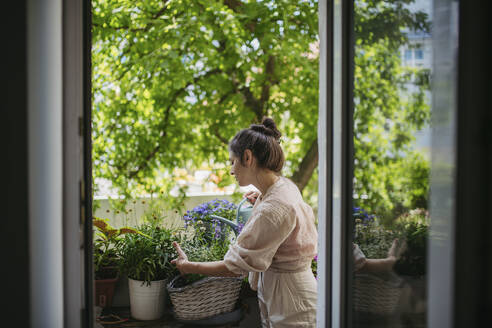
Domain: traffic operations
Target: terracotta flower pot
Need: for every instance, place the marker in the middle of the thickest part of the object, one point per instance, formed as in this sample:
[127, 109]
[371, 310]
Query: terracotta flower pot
[104, 291]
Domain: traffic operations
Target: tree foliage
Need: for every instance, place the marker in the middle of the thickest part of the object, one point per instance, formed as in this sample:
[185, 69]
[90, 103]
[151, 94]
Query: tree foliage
[390, 105]
[173, 81]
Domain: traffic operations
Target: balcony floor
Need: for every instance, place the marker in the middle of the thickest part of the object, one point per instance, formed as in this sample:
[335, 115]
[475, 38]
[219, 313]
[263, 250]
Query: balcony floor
[246, 316]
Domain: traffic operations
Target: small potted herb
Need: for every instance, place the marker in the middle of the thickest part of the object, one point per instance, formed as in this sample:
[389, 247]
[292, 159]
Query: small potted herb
[145, 259]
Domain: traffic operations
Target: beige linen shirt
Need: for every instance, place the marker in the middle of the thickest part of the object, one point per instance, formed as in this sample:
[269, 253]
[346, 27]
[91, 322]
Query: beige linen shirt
[280, 234]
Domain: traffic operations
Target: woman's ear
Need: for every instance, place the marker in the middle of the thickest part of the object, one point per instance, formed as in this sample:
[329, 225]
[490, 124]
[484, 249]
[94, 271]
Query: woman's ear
[248, 158]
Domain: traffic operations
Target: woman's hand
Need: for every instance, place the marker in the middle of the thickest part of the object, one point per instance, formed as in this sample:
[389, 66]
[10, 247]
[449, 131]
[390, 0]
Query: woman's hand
[395, 251]
[217, 268]
[391, 258]
[252, 196]
[386, 264]
[182, 261]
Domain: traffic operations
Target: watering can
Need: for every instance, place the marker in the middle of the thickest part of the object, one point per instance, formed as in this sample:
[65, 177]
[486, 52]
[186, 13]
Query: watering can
[242, 215]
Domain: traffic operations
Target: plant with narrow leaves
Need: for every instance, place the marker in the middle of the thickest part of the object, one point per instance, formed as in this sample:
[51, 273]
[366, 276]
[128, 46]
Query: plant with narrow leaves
[146, 256]
[106, 242]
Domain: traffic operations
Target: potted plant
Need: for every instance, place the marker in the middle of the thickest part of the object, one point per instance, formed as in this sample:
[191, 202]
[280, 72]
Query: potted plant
[197, 298]
[145, 259]
[412, 263]
[106, 242]
[414, 227]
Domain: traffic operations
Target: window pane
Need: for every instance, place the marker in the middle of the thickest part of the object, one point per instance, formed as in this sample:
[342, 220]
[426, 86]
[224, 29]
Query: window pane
[392, 107]
[408, 54]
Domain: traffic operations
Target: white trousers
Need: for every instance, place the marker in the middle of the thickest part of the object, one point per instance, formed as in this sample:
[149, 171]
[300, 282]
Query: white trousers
[287, 299]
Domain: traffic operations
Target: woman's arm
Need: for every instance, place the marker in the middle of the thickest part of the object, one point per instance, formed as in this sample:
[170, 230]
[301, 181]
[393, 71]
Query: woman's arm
[217, 268]
[381, 265]
[378, 265]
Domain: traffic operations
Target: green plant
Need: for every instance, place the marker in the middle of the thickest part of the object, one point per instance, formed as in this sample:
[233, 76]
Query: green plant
[206, 228]
[411, 229]
[199, 250]
[414, 226]
[146, 256]
[106, 243]
[209, 239]
[220, 65]
[373, 238]
[314, 266]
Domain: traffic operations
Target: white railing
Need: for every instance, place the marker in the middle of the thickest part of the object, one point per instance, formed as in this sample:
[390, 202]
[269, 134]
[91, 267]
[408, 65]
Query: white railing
[136, 208]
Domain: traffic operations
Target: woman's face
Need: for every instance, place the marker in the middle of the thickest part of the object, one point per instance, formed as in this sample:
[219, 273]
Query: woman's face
[239, 171]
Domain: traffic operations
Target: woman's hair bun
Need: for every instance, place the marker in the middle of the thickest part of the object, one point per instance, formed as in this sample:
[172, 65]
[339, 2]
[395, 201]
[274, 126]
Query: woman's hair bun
[264, 142]
[267, 127]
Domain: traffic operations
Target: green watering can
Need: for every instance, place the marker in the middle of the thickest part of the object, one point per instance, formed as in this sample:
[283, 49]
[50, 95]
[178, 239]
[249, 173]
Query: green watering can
[242, 215]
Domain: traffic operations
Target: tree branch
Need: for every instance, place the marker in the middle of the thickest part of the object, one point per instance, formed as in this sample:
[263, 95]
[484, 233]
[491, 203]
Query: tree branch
[233, 4]
[269, 82]
[163, 134]
[139, 29]
[216, 127]
[251, 102]
[219, 136]
[236, 6]
[306, 168]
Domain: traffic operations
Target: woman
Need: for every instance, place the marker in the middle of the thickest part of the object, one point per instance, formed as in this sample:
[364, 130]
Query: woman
[279, 240]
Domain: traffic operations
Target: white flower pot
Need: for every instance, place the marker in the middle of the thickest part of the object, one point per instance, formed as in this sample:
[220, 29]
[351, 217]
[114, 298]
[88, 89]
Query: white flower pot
[147, 302]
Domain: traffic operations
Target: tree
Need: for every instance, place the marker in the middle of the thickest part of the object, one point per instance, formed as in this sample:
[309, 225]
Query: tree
[389, 176]
[174, 80]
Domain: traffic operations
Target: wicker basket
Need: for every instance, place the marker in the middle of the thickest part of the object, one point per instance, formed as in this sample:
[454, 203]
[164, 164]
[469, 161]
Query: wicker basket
[376, 294]
[204, 298]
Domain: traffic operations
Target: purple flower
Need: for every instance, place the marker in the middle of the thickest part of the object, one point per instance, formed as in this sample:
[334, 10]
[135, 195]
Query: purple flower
[203, 211]
[362, 215]
[240, 227]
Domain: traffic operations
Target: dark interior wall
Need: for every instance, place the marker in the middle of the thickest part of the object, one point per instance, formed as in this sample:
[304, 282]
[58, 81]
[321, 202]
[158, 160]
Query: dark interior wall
[14, 219]
[473, 258]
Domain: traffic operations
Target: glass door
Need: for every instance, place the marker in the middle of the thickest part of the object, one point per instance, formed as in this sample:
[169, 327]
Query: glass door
[388, 225]
[389, 141]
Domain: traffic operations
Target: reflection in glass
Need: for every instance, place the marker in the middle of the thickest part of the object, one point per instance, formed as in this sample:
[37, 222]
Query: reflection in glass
[391, 162]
